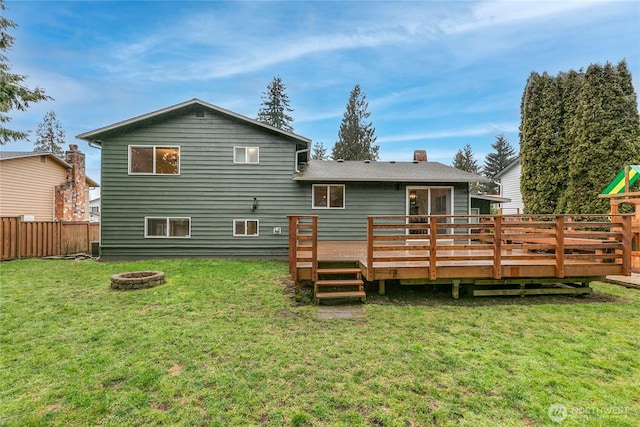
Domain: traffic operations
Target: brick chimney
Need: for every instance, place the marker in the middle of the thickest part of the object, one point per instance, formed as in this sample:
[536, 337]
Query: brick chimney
[420, 155]
[72, 197]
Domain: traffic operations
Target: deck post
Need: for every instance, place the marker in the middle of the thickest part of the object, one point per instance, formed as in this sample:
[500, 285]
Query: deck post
[627, 237]
[381, 289]
[314, 248]
[370, 251]
[293, 249]
[497, 247]
[560, 246]
[455, 289]
[433, 247]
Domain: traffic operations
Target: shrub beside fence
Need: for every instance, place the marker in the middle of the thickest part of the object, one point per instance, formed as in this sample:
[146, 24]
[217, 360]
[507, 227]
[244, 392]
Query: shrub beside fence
[36, 239]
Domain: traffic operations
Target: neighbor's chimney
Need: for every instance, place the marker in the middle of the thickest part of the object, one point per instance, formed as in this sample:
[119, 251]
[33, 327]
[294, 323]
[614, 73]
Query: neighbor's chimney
[420, 155]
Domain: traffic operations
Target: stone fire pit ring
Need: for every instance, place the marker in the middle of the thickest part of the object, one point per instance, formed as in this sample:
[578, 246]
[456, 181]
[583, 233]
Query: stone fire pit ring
[137, 280]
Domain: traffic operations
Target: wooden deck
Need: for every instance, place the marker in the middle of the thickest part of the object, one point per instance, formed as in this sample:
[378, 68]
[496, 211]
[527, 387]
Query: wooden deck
[491, 250]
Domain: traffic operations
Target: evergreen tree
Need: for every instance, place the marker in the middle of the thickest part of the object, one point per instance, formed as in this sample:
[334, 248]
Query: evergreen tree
[543, 176]
[464, 160]
[577, 131]
[275, 106]
[13, 93]
[356, 137]
[502, 155]
[319, 152]
[50, 136]
[607, 136]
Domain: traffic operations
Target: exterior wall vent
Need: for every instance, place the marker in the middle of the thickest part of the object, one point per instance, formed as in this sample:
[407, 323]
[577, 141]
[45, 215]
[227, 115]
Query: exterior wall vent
[199, 112]
[367, 161]
[340, 160]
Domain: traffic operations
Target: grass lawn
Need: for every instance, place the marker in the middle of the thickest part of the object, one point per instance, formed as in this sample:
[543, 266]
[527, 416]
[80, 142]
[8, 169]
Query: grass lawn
[223, 344]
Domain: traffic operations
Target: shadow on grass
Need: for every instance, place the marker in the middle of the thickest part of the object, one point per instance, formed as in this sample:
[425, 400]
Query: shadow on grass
[440, 295]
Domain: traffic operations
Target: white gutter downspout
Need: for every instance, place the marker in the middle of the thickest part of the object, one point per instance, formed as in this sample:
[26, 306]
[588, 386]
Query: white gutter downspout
[94, 144]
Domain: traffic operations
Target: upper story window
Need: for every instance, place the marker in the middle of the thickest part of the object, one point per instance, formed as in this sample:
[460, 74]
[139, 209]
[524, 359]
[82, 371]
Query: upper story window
[167, 227]
[246, 155]
[154, 160]
[328, 196]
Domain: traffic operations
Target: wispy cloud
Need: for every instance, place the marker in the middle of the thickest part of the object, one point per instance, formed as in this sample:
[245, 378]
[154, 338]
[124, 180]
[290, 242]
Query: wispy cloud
[489, 129]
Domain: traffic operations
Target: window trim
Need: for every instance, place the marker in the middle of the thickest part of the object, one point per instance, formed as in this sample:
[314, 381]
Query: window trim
[168, 225]
[328, 186]
[245, 162]
[246, 220]
[154, 159]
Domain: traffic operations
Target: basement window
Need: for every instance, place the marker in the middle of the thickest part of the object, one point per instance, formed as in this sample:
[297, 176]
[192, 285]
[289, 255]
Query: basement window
[154, 160]
[248, 155]
[246, 227]
[328, 196]
[168, 227]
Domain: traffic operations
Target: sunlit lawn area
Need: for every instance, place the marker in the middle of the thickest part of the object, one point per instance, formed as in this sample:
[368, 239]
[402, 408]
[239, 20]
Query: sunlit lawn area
[222, 344]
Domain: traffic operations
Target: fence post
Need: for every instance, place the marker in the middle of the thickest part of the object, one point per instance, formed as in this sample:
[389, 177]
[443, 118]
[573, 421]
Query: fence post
[19, 237]
[88, 238]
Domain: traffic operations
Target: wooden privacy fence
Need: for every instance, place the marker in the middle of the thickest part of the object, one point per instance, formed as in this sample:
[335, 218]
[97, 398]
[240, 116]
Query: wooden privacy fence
[35, 239]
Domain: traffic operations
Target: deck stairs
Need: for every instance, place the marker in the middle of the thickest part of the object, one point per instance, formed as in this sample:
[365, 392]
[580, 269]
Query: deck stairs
[337, 281]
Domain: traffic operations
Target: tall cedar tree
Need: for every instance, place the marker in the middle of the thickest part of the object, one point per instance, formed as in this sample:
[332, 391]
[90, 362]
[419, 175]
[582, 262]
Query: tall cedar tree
[275, 106]
[319, 152]
[50, 136]
[503, 154]
[577, 131]
[13, 94]
[464, 160]
[607, 136]
[543, 176]
[356, 136]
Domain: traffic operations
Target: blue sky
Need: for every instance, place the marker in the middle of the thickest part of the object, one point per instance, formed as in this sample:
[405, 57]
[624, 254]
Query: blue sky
[437, 75]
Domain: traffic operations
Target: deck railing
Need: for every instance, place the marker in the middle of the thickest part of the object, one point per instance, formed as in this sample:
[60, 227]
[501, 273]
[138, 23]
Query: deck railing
[476, 246]
[559, 239]
[303, 244]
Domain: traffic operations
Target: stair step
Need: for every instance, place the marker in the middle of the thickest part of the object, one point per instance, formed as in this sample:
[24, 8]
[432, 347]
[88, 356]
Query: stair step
[348, 282]
[350, 270]
[351, 294]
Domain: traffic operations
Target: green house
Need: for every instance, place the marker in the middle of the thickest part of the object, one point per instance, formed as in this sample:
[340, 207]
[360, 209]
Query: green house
[195, 180]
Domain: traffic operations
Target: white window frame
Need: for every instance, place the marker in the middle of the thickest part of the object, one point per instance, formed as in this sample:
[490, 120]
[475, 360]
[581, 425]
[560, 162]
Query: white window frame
[245, 161]
[245, 221]
[328, 186]
[168, 227]
[154, 159]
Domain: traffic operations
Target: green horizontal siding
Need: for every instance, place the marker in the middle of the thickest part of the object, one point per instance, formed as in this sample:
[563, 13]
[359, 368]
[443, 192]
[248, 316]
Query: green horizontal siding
[213, 191]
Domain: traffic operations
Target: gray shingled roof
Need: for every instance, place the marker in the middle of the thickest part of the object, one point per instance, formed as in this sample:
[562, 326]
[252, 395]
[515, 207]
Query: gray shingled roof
[363, 171]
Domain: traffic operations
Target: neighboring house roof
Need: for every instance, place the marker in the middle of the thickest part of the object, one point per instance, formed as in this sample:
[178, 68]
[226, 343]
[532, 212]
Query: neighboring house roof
[10, 155]
[491, 197]
[95, 135]
[369, 171]
[507, 168]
